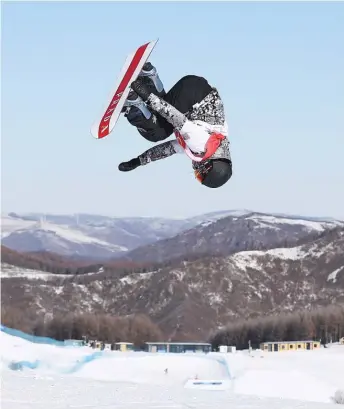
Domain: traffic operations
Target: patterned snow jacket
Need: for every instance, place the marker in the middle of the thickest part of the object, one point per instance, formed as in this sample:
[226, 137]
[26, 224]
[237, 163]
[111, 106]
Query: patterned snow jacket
[195, 127]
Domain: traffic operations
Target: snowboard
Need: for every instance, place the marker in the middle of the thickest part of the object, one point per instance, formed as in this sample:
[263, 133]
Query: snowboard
[130, 71]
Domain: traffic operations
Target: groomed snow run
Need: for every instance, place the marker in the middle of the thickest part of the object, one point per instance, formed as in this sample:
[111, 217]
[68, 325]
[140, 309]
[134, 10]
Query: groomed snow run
[74, 377]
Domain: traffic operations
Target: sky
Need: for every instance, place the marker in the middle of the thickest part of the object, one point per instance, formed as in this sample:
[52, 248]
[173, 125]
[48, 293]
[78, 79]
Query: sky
[279, 70]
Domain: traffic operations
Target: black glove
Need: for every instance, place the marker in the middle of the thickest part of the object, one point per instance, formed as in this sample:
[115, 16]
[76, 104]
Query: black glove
[141, 88]
[130, 165]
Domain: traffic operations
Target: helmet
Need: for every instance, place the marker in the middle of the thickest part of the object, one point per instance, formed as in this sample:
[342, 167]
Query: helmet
[213, 173]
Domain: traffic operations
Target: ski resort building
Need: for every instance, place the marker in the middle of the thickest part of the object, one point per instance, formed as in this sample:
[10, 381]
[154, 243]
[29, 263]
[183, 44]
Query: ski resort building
[289, 346]
[124, 346]
[178, 347]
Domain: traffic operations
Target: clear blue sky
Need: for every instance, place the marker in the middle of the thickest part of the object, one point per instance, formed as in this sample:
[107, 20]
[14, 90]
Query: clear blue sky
[278, 66]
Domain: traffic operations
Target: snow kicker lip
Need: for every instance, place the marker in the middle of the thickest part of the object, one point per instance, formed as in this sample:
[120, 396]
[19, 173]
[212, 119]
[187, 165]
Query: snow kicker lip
[20, 365]
[41, 364]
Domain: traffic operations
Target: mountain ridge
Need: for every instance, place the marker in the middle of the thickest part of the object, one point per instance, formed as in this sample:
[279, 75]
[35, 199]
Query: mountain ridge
[230, 234]
[102, 238]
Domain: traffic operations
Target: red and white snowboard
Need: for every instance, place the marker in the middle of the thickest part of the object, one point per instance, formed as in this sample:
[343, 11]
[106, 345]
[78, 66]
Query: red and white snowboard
[130, 71]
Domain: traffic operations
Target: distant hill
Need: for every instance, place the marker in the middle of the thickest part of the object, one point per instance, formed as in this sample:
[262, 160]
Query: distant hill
[190, 299]
[88, 237]
[234, 233]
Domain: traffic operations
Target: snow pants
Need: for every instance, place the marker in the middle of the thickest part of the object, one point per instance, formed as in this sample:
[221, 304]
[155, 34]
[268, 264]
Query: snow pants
[187, 92]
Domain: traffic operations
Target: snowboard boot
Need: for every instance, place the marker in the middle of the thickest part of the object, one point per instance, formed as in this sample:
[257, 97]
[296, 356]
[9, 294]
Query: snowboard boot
[134, 106]
[150, 74]
[139, 116]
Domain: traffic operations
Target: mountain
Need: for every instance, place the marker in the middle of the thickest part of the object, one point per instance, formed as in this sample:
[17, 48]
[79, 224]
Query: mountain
[101, 238]
[189, 299]
[233, 233]
[89, 236]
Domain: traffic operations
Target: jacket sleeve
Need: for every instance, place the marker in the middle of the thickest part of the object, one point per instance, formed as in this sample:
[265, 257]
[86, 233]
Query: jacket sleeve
[167, 111]
[161, 151]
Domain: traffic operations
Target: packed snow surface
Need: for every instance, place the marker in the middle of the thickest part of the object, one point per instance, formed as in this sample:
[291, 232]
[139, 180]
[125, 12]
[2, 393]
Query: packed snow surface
[72, 377]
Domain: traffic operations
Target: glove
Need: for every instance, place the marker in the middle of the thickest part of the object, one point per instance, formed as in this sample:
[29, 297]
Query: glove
[141, 88]
[130, 165]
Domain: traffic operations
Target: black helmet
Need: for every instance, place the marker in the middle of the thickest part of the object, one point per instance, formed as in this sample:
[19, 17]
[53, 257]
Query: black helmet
[213, 173]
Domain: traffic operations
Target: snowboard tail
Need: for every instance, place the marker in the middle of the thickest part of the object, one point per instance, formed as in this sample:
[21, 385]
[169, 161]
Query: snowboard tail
[130, 71]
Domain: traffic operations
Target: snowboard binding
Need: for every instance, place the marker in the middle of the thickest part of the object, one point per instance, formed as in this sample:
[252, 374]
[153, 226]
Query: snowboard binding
[149, 72]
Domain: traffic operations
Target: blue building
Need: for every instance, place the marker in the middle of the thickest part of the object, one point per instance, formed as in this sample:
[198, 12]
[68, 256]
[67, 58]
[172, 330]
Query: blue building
[178, 347]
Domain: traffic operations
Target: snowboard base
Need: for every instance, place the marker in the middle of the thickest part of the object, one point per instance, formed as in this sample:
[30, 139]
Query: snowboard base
[130, 71]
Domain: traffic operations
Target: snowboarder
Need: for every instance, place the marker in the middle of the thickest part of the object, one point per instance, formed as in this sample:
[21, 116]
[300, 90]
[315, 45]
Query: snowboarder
[193, 111]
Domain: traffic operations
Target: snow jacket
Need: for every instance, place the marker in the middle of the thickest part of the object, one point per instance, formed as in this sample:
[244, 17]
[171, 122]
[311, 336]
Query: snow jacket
[192, 129]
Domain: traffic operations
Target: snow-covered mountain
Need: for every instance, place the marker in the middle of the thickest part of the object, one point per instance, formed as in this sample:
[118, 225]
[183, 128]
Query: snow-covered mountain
[233, 233]
[60, 239]
[91, 236]
[101, 237]
[188, 299]
[87, 236]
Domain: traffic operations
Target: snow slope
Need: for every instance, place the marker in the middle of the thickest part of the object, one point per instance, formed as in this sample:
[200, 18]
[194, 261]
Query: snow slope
[134, 367]
[312, 376]
[69, 377]
[9, 271]
[47, 358]
[10, 225]
[273, 221]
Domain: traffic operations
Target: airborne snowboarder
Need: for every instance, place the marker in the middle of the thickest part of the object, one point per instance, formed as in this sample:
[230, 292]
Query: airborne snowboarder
[193, 111]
